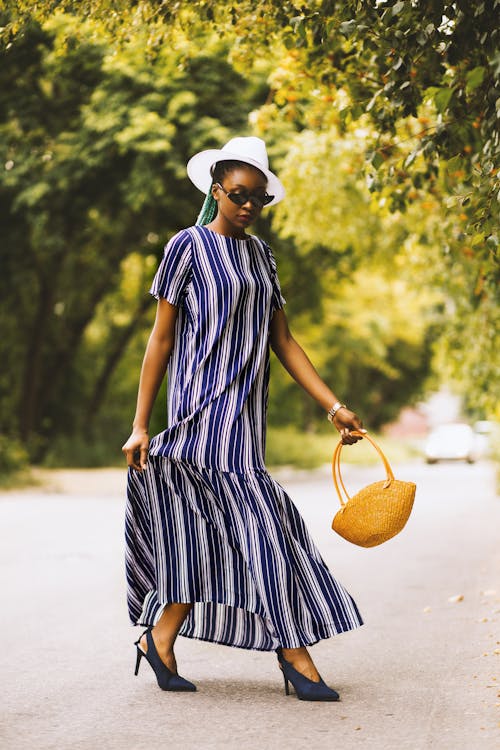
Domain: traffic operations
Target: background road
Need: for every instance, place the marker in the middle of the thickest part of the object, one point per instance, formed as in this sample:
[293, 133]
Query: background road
[421, 673]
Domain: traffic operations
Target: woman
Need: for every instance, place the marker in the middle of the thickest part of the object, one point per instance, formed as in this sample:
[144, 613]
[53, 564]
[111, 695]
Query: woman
[215, 548]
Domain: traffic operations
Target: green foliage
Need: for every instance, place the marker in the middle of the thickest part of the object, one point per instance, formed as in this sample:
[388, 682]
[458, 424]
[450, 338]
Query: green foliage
[13, 456]
[372, 339]
[380, 117]
[287, 446]
[350, 283]
[422, 81]
[14, 463]
[95, 143]
[83, 451]
[427, 75]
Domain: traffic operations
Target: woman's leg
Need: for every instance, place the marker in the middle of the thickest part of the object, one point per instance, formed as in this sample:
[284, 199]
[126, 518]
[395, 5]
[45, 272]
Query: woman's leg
[167, 628]
[300, 660]
[165, 632]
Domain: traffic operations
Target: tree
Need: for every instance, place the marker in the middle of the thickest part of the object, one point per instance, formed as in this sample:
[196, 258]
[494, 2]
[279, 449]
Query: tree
[425, 73]
[388, 109]
[367, 327]
[427, 76]
[95, 145]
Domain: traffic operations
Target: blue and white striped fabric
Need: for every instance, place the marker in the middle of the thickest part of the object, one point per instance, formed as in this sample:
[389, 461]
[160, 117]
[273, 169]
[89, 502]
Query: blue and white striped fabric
[205, 522]
[227, 290]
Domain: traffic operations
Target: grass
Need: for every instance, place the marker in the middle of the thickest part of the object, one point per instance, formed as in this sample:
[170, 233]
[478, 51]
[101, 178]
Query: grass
[287, 446]
[15, 471]
[18, 480]
[80, 452]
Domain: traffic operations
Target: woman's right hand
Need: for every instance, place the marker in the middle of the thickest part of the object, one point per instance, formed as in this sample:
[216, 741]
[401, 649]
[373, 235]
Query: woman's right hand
[136, 449]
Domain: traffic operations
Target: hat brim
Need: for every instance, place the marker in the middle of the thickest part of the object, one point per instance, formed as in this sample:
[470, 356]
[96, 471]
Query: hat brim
[199, 166]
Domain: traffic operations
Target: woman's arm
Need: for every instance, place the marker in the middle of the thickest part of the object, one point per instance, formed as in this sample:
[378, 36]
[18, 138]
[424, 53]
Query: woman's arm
[153, 370]
[296, 362]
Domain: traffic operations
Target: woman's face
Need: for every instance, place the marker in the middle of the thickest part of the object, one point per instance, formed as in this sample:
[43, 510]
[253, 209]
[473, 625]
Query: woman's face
[245, 181]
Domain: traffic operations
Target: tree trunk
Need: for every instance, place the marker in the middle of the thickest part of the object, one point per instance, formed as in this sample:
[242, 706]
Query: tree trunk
[55, 372]
[29, 407]
[115, 354]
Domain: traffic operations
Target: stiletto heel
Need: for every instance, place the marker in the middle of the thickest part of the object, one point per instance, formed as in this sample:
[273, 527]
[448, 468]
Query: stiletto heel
[287, 689]
[140, 654]
[306, 689]
[167, 680]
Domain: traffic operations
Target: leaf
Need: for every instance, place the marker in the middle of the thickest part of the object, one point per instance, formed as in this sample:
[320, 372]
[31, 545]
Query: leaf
[475, 78]
[377, 160]
[442, 99]
[398, 7]
[372, 101]
[411, 158]
[347, 28]
[296, 22]
[455, 163]
[429, 148]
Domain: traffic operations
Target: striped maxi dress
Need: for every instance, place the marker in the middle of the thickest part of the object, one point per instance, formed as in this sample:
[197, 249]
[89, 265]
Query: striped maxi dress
[205, 523]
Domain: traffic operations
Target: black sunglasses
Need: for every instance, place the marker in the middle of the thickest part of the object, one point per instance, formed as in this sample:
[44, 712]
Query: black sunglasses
[259, 201]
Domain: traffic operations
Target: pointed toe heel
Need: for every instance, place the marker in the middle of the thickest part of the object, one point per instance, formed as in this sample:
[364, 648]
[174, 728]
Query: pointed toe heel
[167, 680]
[306, 689]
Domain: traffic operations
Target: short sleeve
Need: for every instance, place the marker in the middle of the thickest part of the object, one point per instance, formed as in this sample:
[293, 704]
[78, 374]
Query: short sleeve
[174, 272]
[278, 301]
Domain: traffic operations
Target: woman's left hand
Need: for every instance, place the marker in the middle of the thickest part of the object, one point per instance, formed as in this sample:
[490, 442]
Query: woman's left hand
[345, 421]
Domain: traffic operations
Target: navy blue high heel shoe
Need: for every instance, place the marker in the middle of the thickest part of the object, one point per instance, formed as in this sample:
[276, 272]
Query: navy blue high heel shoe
[306, 689]
[166, 679]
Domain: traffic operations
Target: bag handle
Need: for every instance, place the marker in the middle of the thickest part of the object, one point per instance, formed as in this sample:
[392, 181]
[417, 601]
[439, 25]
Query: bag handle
[337, 475]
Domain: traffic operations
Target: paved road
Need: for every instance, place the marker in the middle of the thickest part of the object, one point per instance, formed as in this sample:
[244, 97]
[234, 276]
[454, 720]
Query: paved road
[422, 673]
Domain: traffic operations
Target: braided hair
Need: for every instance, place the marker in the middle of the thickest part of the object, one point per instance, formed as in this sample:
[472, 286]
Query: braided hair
[219, 171]
[208, 210]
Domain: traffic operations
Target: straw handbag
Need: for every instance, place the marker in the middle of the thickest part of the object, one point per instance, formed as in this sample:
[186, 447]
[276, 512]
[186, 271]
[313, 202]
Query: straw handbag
[377, 512]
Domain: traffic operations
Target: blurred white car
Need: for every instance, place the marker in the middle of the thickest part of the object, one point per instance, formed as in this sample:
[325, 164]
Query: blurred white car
[451, 442]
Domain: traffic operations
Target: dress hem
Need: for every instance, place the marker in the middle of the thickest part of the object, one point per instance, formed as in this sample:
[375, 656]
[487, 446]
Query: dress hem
[329, 629]
[305, 643]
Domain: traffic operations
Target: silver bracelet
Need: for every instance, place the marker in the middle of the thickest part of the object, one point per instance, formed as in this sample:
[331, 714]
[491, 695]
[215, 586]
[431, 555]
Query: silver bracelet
[331, 414]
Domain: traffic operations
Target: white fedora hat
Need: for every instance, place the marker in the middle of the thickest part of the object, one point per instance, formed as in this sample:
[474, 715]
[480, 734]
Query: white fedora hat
[250, 150]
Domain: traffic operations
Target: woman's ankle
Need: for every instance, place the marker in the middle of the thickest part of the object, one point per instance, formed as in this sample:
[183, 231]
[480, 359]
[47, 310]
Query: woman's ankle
[291, 653]
[163, 641]
[301, 660]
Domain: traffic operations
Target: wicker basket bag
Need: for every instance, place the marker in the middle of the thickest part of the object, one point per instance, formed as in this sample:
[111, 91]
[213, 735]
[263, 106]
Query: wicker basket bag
[377, 512]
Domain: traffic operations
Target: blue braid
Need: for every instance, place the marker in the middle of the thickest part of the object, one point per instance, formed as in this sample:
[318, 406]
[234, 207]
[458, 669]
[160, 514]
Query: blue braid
[208, 210]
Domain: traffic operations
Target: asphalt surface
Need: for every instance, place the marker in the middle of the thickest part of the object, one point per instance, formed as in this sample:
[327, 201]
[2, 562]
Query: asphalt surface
[423, 672]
